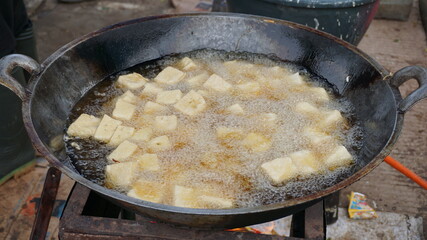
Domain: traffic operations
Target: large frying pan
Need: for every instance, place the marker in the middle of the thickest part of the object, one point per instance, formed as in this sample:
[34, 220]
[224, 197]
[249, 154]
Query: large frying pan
[59, 82]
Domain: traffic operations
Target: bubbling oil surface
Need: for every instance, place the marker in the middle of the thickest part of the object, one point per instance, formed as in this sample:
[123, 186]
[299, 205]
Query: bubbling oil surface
[198, 159]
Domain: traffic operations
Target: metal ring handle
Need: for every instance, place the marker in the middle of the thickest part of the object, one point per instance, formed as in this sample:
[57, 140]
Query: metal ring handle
[403, 75]
[8, 63]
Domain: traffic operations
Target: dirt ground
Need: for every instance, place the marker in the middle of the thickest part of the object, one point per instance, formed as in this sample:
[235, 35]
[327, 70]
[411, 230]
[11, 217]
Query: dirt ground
[393, 44]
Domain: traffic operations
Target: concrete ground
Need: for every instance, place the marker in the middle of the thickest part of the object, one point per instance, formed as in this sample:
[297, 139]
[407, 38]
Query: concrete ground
[394, 44]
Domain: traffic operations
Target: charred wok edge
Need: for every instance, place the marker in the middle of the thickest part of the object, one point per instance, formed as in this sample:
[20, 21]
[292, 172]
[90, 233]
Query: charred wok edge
[128, 201]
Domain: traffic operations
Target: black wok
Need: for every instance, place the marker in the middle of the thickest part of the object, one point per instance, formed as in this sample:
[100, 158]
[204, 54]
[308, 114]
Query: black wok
[59, 82]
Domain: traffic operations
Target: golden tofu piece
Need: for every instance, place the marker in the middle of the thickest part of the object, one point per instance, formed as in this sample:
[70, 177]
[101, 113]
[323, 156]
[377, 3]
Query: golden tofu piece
[229, 133]
[249, 87]
[306, 162]
[123, 152]
[148, 162]
[106, 128]
[169, 97]
[120, 175]
[235, 109]
[256, 142]
[129, 97]
[280, 170]
[169, 75]
[152, 107]
[339, 157]
[191, 104]
[166, 123]
[320, 94]
[317, 138]
[187, 64]
[277, 72]
[121, 134]
[295, 79]
[132, 81]
[142, 135]
[332, 120]
[184, 197]
[307, 109]
[198, 79]
[151, 89]
[123, 110]
[217, 83]
[84, 126]
[158, 144]
[147, 191]
[205, 201]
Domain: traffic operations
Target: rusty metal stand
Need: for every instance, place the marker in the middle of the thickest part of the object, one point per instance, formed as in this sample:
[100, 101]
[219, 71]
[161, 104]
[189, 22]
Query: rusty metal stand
[89, 216]
[104, 220]
[48, 197]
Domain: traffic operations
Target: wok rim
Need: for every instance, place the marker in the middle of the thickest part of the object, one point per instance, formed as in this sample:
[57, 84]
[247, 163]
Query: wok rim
[40, 146]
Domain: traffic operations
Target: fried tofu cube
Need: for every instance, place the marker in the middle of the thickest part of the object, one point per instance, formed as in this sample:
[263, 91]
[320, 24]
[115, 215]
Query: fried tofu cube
[277, 72]
[280, 170]
[256, 142]
[166, 123]
[121, 134]
[204, 93]
[148, 162]
[132, 81]
[120, 175]
[339, 157]
[317, 138]
[268, 119]
[152, 107]
[198, 79]
[123, 110]
[249, 87]
[332, 120]
[191, 104]
[235, 109]
[295, 79]
[142, 135]
[217, 83]
[187, 64]
[209, 160]
[307, 109]
[169, 97]
[84, 126]
[205, 201]
[129, 97]
[184, 197]
[123, 152]
[229, 133]
[320, 94]
[151, 89]
[147, 191]
[106, 128]
[161, 143]
[169, 75]
[306, 162]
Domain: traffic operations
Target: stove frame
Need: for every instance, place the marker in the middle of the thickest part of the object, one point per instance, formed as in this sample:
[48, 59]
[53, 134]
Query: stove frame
[89, 216]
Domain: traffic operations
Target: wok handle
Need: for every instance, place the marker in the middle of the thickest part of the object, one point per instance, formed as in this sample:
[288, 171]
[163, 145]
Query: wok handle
[10, 62]
[405, 74]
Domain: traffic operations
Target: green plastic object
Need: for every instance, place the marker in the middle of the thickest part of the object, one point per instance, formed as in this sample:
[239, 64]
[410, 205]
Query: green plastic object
[16, 150]
[345, 19]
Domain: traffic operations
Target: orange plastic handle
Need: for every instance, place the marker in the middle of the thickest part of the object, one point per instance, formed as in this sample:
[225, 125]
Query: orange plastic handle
[399, 167]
